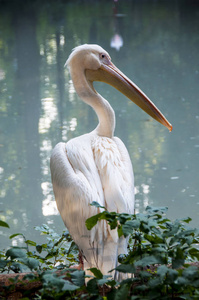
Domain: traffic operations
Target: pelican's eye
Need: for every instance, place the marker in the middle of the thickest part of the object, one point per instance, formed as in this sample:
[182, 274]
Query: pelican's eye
[102, 55]
[105, 59]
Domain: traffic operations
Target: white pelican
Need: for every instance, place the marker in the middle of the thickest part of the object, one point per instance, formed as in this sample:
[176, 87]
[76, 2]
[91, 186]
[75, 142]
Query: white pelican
[96, 166]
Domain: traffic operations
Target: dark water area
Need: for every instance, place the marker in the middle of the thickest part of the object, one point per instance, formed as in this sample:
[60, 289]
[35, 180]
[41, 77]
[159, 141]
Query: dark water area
[155, 43]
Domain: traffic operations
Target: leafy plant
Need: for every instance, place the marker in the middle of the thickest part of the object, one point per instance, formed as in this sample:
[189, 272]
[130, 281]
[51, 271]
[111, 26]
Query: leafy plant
[162, 260]
[58, 252]
[161, 245]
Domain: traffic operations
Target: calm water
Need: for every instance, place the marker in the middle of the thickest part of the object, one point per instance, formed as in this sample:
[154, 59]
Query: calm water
[155, 43]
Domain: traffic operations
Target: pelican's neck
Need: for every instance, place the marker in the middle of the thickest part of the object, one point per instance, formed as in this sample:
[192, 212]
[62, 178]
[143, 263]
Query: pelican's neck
[103, 109]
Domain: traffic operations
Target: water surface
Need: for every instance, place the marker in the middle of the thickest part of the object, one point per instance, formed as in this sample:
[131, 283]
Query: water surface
[155, 43]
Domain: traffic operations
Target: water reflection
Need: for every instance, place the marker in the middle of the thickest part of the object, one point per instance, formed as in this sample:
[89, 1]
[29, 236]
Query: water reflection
[49, 114]
[39, 107]
[116, 40]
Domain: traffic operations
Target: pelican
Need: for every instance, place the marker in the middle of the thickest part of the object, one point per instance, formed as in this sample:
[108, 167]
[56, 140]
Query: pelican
[96, 166]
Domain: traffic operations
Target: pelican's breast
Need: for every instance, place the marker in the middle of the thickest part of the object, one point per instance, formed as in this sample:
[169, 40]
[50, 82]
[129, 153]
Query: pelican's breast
[114, 174]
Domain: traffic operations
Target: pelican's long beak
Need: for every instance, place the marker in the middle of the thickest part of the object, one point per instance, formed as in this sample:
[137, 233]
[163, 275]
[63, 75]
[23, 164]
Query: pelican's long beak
[110, 74]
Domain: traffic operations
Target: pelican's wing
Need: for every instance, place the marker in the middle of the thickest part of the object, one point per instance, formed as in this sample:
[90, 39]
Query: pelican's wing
[76, 184]
[129, 172]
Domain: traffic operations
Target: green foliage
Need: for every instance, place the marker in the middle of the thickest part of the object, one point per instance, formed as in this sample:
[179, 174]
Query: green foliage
[160, 262]
[157, 243]
[57, 253]
[4, 224]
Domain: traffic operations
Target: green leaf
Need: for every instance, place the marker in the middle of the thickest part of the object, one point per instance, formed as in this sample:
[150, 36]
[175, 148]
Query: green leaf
[15, 253]
[32, 263]
[163, 220]
[191, 272]
[39, 248]
[78, 277]
[92, 286]
[122, 293]
[130, 226]
[145, 275]
[97, 273]
[4, 224]
[148, 260]
[51, 279]
[92, 221]
[182, 281]
[30, 276]
[186, 220]
[111, 283]
[156, 209]
[177, 263]
[106, 280]
[96, 204]
[162, 271]
[125, 268]
[144, 227]
[172, 275]
[123, 217]
[16, 234]
[68, 286]
[16, 267]
[154, 239]
[113, 224]
[119, 231]
[3, 263]
[193, 252]
[179, 258]
[154, 282]
[73, 248]
[159, 250]
[31, 243]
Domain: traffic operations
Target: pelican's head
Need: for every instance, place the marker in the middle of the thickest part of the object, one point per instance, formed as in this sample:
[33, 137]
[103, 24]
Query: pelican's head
[96, 63]
[88, 57]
